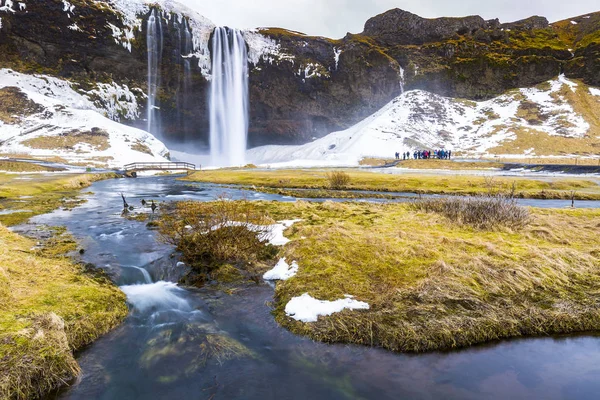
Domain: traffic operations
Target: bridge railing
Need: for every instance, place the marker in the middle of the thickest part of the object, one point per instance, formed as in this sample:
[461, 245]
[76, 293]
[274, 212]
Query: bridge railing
[163, 166]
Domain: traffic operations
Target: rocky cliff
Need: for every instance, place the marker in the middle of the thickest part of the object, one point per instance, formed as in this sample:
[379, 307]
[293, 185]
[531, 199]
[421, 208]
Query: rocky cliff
[300, 86]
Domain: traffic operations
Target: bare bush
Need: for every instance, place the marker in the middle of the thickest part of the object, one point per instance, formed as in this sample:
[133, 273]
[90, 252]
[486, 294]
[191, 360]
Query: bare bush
[485, 212]
[211, 234]
[338, 179]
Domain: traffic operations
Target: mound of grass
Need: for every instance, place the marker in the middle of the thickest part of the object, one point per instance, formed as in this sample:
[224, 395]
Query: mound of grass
[419, 183]
[338, 179]
[49, 308]
[485, 212]
[215, 237]
[432, 284]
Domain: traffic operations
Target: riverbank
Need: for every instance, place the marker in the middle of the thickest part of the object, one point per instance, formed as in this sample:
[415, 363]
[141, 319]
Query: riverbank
[23, 196]
[50, 306]
[433, 285]
[267, 180]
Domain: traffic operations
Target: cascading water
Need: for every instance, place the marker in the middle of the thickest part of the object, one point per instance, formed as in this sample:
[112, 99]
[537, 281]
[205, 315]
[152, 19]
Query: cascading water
[154, 42]
[186, 51]
[229, 98]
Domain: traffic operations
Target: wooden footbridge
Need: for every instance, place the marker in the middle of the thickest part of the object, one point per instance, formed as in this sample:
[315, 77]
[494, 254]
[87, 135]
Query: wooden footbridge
[133, 168]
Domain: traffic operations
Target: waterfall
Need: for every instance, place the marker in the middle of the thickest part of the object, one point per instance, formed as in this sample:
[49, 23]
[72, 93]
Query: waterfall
[228, 98]
[187, 50]
[154, 42]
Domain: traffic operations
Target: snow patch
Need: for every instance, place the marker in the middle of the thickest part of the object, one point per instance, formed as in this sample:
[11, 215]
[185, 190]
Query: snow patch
[65, 112]
[308, 309]
[74, 27]
[594, 91]
[118, 101]
[574, 22]
[8, 6]
[282, 271]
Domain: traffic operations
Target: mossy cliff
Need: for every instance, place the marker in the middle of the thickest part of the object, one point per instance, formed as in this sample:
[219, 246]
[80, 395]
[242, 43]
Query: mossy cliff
[302, 86]
[94, 43]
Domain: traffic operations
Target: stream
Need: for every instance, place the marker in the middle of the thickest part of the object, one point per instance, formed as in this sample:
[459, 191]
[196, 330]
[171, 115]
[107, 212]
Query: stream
[168, 347]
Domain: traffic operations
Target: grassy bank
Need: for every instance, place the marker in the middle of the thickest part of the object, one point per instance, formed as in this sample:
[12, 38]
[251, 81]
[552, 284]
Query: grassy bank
[49, 308]
[22, 166]
[25, 196]
[432, 284]
[433, 164]
[419, 183]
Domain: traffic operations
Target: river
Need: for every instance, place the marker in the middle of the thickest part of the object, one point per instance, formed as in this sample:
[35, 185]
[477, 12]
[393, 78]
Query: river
[165, 349]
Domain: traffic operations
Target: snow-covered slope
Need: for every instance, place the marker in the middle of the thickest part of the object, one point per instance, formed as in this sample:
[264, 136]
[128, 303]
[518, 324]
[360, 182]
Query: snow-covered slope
[422, 120]
[44, 116]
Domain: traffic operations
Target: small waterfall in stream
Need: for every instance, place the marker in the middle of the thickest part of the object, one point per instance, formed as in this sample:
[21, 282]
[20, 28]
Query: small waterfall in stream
[228, 98]
[154, 42]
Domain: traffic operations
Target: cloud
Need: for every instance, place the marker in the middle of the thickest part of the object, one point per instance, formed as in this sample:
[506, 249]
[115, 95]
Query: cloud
[333, 18]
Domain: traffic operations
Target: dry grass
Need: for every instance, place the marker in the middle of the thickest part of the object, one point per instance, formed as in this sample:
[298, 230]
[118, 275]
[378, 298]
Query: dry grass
[97, 139]
[142, 148]
[435, 285]
[482, 212]
[49, 309]
[24, 156]
[376, 162]
[449, 164]
[338, 180]
[553, 161]
[20, 166]
[419, 183]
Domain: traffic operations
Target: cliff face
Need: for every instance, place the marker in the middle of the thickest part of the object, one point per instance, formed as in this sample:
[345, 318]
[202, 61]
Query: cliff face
[101, 46]
[300, 86]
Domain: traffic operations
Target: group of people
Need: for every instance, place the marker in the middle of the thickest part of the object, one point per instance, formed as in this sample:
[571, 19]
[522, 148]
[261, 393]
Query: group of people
[426, 154]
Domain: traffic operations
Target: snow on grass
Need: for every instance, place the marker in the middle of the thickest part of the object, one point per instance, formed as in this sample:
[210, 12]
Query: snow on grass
[66, 114]
[421, 120]
[594, 91]
[305, 308]
[282, 271]
[271, 234]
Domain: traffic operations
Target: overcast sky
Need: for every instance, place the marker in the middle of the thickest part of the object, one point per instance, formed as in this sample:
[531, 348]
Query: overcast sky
[333, 18]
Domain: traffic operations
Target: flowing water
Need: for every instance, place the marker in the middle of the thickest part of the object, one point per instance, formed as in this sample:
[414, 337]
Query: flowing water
[228, 98]
[154, 43]
[203, 344]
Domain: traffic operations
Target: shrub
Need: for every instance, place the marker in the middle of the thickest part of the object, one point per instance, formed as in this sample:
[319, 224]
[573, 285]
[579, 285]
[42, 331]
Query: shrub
[221, 232]
[338, 179]
[484, 212]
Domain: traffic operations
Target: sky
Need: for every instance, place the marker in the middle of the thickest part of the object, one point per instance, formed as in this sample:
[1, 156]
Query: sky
[334, 18]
